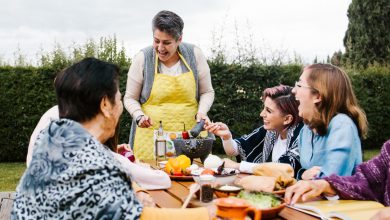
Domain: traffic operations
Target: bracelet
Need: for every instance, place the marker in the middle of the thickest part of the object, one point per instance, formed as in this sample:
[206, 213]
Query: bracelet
[138, 119]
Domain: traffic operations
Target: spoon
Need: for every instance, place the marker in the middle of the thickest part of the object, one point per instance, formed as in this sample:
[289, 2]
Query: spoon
[193, 189]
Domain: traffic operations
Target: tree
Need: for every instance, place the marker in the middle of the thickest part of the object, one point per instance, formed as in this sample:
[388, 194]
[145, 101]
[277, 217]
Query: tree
[336, 58]
[367, 39]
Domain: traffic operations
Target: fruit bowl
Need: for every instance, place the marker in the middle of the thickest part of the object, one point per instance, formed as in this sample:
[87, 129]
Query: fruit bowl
[194, 147]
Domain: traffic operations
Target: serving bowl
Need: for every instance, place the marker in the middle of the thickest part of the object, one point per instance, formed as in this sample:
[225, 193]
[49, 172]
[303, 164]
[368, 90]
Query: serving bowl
[224, 191]
[266, 212]
[227, 178]
[220, 180]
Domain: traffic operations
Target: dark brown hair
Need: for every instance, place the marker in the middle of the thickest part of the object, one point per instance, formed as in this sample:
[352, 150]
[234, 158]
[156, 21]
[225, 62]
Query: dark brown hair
[81, 87]
[284, 100]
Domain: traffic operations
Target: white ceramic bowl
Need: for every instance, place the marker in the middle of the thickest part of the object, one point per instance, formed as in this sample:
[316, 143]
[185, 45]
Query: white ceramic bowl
[221, 180]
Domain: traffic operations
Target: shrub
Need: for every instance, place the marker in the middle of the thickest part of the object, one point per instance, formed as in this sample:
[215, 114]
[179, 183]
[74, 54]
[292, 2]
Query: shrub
[27, 92]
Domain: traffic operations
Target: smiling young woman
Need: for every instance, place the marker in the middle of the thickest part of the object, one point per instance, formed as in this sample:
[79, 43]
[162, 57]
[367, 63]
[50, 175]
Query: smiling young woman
[330, 141]
[275, 141]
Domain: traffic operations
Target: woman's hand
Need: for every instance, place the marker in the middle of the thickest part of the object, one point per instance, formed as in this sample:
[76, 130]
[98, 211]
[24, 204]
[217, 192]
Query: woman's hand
[199, 116]
[145, 122]
[231, 164]
[145, 199]
[305, 190]
[122, 147]
[311, 173]
[219, 129]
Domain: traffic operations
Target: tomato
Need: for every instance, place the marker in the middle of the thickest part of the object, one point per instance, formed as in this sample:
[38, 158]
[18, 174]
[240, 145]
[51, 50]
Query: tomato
[207, 171]
[174, 173]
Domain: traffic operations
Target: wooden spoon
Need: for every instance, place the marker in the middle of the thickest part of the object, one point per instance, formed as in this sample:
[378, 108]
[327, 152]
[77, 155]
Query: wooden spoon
[193, 189]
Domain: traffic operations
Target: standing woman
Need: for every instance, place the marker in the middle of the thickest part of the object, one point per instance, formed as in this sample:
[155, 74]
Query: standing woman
[169, 81]
[329, 143]
[275, 141]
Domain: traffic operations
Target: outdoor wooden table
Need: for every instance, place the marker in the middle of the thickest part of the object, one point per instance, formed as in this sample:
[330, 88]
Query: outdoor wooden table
[168, 198]
[176, 194]
[6, 200]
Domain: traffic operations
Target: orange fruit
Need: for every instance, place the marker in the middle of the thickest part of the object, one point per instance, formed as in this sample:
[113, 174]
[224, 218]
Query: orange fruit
[172, 136]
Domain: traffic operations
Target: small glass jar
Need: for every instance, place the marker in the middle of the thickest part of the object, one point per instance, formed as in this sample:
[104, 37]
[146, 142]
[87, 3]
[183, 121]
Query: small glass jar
[206, 188]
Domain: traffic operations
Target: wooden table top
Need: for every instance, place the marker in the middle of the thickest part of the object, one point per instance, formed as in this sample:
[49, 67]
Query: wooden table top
[176, 194]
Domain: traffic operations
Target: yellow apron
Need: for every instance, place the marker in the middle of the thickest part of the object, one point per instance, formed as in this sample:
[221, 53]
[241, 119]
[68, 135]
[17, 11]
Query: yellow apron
[172, 101]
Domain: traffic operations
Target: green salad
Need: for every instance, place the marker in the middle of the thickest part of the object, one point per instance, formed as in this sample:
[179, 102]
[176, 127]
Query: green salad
[260, 200]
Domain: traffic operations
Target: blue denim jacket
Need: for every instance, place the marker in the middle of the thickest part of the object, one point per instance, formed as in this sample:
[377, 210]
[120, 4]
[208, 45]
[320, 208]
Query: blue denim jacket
[337, 152]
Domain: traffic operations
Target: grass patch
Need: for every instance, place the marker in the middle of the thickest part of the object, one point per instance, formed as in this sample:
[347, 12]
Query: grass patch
[370, 153]
[10, 174]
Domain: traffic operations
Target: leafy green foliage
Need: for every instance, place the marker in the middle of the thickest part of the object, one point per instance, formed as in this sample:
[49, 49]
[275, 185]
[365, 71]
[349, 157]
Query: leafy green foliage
[106, 49]
[372, 89]
[27, 92]
[367, 39]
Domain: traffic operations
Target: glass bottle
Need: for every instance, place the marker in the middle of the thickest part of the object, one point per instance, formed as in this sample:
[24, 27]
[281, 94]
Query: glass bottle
[160, 144]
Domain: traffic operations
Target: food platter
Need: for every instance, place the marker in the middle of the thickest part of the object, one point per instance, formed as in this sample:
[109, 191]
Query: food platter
[181, 178]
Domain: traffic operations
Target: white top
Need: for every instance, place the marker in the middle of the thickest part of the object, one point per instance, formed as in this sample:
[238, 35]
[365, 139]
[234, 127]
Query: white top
[174, 70]
[145, 177]
[231, 145]
[49, 116]
[280, 148]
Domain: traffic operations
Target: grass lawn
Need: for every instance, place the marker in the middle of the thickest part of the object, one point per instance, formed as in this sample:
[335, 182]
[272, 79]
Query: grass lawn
[10, 173]
[368, 154]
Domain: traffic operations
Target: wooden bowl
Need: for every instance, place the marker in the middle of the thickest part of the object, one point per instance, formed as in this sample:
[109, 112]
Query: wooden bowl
[221, 192]
[272, 212]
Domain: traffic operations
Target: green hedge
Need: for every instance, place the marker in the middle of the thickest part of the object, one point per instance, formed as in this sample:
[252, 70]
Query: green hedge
[26, 93]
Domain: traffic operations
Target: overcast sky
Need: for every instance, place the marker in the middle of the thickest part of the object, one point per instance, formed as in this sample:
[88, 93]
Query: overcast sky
[309, 28]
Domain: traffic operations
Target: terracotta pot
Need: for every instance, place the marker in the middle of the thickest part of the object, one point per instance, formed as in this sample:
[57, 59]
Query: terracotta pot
[235, 209]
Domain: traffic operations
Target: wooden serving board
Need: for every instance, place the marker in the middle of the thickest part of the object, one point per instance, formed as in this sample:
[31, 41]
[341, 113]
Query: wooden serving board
[181, 178]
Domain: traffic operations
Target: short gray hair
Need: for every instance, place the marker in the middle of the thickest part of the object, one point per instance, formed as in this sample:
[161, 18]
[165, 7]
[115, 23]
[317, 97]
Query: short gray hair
[169, 23]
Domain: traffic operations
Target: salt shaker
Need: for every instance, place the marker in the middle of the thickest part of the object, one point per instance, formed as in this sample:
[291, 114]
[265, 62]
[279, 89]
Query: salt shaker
[206, 188]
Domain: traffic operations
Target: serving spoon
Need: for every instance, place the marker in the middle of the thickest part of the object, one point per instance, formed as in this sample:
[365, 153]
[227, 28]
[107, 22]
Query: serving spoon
[193, 189]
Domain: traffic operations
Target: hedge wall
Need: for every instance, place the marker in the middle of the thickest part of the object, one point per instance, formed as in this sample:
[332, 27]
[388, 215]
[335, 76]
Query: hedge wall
[26, 93]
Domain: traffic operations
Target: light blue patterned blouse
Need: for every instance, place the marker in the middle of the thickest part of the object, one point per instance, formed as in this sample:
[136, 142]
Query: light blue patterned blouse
[337, 152]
